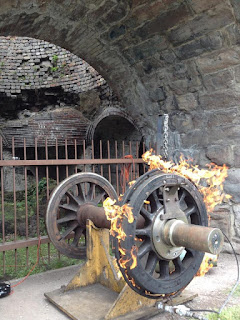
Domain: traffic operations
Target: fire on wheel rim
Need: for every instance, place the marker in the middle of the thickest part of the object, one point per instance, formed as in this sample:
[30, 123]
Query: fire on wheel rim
[64, 227]
[157, 272]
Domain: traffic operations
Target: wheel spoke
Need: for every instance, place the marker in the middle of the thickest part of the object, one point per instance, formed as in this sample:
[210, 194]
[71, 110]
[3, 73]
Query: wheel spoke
[151, 262]
[68, 207]
[98, 198]
[143, 232]
[69, 217]
[73, 198]
[190, 210]
[154, 198]
[69, 230]
[183, 195]
[146, 214]
[90, 191]
[144, 249]
[77, 236]
[178, 265]
[81, 195]
[164, 269]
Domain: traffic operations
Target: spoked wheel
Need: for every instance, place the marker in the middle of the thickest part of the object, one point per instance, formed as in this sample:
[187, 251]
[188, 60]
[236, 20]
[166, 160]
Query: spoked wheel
[161, 267]
[63, 216]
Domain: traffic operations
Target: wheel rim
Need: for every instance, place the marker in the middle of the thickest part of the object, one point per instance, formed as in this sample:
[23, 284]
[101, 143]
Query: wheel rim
[62, 215]
[155, 274]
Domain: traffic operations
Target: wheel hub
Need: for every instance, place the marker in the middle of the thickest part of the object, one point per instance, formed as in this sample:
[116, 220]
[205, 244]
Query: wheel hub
[163, 249]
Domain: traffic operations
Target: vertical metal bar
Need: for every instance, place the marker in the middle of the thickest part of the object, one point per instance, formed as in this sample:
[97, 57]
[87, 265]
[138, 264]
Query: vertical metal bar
[117, 177]
[75, 153]
[26, 198]
[109, 166]
[131, 176]
[14, 202]
[3, 207]
[37, 189]
[124, 167]
[57, 177]
[144, 150]
[101, 155]
[66, 156]
[84, 154]
[138, 156]
[93, 167]
[57, 167]
[47, 169]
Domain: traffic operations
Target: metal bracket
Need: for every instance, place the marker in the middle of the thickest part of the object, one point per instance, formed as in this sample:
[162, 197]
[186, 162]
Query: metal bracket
[171, 204]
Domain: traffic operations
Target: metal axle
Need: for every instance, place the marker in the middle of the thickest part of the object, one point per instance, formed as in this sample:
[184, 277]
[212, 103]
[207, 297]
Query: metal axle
[173, 233]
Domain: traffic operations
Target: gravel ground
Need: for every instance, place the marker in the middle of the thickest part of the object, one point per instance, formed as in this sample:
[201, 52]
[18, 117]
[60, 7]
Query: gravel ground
[28, 301]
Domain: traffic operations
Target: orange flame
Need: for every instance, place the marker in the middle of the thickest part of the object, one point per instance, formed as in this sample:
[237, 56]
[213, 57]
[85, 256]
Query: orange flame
[115, 214]
[213, 177]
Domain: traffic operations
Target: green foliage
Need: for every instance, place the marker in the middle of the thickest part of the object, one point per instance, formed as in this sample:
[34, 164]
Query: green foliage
[55, 59]
[232, 313]
[43, 265]
[237, 292]
[54, 69]
[33, 194]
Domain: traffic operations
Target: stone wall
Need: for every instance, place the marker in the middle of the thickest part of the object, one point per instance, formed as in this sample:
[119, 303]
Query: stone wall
[175, 56]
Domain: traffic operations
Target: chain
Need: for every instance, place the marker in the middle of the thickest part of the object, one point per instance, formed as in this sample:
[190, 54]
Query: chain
[165, 136]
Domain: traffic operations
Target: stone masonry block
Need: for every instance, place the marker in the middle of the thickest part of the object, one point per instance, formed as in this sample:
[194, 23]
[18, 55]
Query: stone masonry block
[232, 184]
[222, 99]
[220, 154]
[164, 21]
[208, 21]
[182, 122]
[187, 102]
[146, 49]
[236, 211]
[199, 46]
[221, 218]
[202, 5]
[150, 10]
[236, 7]
[237, 156]
[216, 61]
[222, 79]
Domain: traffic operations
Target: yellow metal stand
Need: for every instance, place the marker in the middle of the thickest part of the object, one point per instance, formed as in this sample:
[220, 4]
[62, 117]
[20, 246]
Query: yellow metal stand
[92, 282]
[98, 291]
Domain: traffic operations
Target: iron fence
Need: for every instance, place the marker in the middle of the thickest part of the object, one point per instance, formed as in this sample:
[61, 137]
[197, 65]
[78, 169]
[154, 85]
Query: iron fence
[30, 173]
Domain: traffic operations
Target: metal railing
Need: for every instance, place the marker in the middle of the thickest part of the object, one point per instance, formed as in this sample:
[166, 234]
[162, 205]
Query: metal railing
[29, 174]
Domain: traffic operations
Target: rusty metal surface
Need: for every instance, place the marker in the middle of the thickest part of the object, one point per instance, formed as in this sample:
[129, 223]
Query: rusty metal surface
[13, 163]
[74, 200]
[52, 161]
[199, 238]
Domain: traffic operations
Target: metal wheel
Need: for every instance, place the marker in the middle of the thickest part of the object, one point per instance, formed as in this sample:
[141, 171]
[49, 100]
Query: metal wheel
[161, 268]
[63, 216]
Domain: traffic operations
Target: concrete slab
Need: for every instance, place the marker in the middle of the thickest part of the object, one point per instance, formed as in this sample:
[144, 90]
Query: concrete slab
[28, 301]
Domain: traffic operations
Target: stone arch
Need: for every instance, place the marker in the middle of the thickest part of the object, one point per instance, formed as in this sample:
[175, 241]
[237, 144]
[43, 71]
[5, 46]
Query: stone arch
[106, 116]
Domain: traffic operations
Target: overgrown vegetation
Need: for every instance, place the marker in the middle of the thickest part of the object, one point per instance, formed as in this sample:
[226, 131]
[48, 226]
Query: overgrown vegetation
[232, 313]
[49, 256]
[21, 200]
[54, 261]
